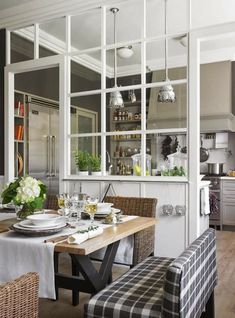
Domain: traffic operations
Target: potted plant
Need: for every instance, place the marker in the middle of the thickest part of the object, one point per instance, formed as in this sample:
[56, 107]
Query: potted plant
[95, 164]
[27, 194]
[82, 160]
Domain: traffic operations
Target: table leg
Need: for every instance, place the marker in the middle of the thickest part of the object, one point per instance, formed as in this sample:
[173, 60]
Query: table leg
[91, 281]
[75, 293]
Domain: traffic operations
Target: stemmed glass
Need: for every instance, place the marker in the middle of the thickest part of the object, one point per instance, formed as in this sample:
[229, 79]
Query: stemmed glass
[91, 207]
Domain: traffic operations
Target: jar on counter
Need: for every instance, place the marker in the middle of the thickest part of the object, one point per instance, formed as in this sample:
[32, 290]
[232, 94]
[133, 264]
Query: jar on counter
[130, 116]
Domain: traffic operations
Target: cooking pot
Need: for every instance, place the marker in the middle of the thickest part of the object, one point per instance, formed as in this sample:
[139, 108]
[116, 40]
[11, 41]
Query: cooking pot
[204, 153]
[215, 168]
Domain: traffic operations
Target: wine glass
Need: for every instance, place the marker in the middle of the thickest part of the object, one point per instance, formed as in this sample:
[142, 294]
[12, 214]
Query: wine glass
[91, 207]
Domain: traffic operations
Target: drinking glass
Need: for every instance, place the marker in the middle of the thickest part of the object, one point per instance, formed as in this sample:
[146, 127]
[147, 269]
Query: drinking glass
[91, 207]
[78, 202]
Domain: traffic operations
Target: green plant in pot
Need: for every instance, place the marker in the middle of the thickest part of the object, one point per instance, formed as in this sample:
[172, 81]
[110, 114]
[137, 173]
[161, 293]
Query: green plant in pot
[95, 164]
[82, 161]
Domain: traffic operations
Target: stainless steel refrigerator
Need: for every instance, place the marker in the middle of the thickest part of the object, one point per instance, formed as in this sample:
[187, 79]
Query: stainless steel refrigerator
[43, 142]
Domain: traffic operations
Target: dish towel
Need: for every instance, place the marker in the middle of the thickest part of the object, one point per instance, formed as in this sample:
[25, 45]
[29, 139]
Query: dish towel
[205, 204]
[83, 235]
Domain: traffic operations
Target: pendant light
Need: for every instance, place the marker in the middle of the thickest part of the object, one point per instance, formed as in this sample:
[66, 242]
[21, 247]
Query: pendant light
[166, 93]
[115, 100]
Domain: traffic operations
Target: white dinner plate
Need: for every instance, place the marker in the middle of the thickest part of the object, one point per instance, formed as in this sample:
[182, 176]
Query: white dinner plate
[27, 224]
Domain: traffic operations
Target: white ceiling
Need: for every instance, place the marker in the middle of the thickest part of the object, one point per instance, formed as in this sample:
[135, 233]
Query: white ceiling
[6, 4]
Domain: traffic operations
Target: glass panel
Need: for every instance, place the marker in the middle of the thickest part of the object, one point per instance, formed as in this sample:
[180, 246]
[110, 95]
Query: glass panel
[52, 37]
[128, 22]
[128, 65]
[120, 149]
[85, 114]
[168, 115]
[86, 30]
[177, 17]
[128, 117]
[22, 47]
[86, 72]
[168, 154]
[176, 60]
[89, 154]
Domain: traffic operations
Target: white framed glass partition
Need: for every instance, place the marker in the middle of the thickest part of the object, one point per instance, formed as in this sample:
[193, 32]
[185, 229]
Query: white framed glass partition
[143, 126]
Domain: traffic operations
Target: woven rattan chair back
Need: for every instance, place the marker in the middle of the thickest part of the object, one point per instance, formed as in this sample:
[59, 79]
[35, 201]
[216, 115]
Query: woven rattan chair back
[134, 206]
[143, 240]
[19, 298]
[51, 202]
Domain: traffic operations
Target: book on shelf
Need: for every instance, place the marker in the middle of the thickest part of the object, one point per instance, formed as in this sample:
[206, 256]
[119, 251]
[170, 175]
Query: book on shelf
[19, 109]
[19, 132]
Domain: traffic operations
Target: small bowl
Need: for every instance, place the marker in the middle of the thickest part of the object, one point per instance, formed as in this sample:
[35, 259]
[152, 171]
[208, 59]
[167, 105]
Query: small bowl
[43, 219]
[104, 207]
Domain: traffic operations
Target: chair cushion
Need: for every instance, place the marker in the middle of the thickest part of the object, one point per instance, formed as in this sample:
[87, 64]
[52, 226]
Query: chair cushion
[191, 278]
[138, 293]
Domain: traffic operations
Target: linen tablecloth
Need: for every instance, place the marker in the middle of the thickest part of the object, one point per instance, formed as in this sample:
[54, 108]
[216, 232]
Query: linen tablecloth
[21, 254]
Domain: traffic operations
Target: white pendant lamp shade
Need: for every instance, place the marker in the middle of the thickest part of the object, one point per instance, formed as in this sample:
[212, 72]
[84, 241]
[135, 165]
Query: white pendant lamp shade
[166, 93]
[115, 100]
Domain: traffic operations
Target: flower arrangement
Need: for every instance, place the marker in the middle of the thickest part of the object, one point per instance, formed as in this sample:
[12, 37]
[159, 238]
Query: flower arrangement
[27, 193]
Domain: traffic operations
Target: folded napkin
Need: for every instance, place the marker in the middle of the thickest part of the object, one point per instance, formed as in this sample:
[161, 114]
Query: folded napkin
[85, 234]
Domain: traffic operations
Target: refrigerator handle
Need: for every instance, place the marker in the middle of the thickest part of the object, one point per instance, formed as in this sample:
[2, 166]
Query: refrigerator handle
[48, 156]
[53, 157]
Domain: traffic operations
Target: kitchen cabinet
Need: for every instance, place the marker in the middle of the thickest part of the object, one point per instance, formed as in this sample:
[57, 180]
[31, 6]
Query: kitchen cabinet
[228, 202]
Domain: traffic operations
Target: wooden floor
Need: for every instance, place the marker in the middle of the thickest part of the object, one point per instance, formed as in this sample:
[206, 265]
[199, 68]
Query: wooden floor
[225, 290]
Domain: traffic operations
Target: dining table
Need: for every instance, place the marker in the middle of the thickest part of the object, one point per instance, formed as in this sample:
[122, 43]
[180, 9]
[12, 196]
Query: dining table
[85, 277]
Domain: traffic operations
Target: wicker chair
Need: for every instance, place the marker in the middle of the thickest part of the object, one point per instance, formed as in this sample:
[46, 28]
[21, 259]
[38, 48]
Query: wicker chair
[143, 240]
[51, 202]
[19, 298]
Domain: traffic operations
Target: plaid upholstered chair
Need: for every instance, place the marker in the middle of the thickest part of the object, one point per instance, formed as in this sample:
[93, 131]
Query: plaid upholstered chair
[161, 287]
[19, 298]
[143, 240]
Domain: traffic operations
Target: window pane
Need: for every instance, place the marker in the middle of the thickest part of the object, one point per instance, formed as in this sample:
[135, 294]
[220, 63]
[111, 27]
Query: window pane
[128, 65]
[85, 114]
[86, 30]
[86, 72]
[177, 17]
[52, 37]
[121, 149]
[88, 147]
[128, 22]
[22, 46]
[168, 115]
[168, 154]
[125, 118]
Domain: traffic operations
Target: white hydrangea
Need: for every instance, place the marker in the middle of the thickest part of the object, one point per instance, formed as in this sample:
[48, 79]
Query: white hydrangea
[28, 190]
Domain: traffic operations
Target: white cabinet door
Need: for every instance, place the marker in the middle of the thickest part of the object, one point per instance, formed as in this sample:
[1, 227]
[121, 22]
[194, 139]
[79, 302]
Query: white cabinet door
[228, 209]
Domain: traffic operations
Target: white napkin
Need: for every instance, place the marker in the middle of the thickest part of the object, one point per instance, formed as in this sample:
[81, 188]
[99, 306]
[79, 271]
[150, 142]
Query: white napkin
[205, 204]
[85, 234]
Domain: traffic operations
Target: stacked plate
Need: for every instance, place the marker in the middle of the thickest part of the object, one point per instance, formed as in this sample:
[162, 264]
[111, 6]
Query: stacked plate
[40, 225]
[103, 214]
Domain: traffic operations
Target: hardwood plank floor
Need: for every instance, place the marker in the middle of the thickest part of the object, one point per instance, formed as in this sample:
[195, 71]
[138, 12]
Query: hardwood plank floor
[224, 293]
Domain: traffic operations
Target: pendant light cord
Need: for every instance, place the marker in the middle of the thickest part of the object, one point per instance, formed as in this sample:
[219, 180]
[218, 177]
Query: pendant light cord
[115, 49]
[166, 42]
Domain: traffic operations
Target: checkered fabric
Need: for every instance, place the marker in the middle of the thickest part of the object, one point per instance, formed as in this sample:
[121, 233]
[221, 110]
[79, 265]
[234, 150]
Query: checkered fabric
[191, 279]
[138, 293]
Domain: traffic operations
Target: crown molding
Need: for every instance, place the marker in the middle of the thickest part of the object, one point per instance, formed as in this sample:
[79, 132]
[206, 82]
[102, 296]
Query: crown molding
[39, 11]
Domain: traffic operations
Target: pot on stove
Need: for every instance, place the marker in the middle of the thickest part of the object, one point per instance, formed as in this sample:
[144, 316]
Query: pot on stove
[215, 168]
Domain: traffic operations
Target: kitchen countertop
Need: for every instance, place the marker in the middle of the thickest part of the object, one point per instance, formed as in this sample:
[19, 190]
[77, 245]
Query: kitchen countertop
[204, 183]
[228, 178]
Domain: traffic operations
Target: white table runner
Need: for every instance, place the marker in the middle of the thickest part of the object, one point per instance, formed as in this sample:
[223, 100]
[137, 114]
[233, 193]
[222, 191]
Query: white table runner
[21, 254]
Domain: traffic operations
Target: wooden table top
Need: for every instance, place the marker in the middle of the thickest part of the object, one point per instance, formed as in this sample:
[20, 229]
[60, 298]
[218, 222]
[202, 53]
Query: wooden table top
[110, 235]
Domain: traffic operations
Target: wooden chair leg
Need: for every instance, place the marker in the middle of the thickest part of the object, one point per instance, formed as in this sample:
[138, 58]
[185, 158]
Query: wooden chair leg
[210, 308]
[75, 294]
